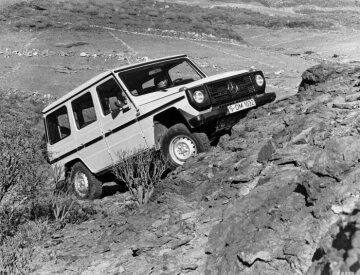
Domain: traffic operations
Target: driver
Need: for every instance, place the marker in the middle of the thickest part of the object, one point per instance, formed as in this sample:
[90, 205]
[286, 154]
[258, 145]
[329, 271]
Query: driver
[161, 81]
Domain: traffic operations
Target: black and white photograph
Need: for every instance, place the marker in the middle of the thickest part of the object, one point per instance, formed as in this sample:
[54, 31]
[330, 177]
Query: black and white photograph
[180, 137]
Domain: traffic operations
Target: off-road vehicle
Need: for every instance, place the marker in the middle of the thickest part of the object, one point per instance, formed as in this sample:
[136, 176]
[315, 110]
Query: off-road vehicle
[166, 104]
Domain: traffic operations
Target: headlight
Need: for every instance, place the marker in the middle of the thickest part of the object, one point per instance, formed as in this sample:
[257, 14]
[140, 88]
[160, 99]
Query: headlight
[199, 96]
[259, 80]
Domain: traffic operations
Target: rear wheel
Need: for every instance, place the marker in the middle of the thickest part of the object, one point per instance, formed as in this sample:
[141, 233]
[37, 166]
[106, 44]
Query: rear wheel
[84, 183]
[179, 144]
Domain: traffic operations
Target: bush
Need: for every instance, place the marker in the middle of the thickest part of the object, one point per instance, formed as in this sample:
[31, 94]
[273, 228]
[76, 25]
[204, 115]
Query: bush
[29, 207]
[21, 159]
[21, 177]
[16, 252]
[140, 170]
[23, 23]
[92, 10]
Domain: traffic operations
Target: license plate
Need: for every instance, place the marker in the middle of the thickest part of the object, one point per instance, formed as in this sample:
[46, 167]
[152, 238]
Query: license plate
[241, 106]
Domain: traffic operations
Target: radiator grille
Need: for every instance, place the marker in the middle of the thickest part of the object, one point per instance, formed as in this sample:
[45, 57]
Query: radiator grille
[231, 89]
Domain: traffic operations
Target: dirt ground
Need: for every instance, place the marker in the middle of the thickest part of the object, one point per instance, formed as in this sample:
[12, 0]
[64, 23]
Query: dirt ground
[48, 51]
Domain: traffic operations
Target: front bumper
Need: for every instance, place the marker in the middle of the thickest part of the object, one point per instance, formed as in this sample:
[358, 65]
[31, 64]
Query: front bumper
[203, 119]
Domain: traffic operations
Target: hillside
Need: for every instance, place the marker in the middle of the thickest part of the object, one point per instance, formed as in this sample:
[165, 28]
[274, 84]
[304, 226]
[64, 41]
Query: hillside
[278, 196]
[294, 3]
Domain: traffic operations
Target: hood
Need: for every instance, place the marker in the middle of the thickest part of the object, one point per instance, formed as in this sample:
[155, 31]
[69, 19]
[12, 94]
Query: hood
[214, 78]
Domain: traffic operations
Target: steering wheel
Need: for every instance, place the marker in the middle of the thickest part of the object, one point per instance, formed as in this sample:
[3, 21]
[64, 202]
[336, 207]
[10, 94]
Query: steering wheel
[177, 80]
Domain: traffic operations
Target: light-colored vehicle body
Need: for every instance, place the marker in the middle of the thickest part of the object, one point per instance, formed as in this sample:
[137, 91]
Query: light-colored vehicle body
[84, 126]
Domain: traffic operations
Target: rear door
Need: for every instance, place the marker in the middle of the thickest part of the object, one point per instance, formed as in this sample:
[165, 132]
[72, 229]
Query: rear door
[90, 140]
[60, 135]
[118, 118]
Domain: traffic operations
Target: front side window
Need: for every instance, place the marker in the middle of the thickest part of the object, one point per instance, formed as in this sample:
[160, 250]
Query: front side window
[159, 77]
[57, 125]
[111, 96]
[182, 72]
[84, 111]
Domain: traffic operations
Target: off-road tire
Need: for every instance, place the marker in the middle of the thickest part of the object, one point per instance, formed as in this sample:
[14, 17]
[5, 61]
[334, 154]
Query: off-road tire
[84, 184]
[179, 136]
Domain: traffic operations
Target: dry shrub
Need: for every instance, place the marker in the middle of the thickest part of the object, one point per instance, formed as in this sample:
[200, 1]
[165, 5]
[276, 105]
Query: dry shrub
[74, 7]
[16, 252]
[63, 208]
[61, 205]
[92, 10]
[22, 177]
[24, 23]
[124, 16]
[28, 206]
[140, 170]
[26, 223]
[132, 12]
[21, 159]
[42, 22]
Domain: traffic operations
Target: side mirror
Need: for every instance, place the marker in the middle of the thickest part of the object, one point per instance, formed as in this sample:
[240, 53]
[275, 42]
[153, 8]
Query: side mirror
[120, 108]
[118, 104]
[125, 108]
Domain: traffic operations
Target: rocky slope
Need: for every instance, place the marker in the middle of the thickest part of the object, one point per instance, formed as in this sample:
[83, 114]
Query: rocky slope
[302, 154]
[280, 196]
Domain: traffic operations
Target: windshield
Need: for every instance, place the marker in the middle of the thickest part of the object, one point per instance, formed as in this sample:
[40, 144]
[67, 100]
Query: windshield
[159, 77]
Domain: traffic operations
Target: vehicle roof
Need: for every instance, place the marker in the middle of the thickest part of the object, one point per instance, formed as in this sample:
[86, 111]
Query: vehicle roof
[103, 75]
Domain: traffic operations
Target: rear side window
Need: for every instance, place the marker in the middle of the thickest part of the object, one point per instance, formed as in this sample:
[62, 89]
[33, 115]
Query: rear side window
[84, 111]
[57, 125]
[111, 96]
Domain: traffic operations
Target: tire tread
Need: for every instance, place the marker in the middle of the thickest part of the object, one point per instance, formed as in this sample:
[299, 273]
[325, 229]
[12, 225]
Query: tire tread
[94, 184]
[201, 140]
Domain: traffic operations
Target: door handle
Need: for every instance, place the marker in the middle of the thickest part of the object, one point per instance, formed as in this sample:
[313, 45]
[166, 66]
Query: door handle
[81, 146]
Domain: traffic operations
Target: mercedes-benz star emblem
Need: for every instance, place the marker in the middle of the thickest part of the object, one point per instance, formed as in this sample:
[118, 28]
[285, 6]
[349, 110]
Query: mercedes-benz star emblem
[232, 87]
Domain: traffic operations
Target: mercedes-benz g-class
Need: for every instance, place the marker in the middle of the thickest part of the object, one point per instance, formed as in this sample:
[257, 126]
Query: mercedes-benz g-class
[166, 104]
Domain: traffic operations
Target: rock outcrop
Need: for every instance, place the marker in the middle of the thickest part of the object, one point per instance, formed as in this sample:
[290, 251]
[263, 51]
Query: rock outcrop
[301, 216]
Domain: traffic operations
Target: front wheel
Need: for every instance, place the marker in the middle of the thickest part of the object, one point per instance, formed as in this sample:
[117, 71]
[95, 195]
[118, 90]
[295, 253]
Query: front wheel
[84, 183]
[179, 144]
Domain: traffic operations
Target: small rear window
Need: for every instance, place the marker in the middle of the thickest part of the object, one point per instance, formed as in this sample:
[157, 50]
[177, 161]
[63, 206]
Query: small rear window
[57, 125]
[84, 111]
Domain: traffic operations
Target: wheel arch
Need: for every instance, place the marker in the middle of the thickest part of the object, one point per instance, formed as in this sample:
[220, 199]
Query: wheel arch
[68, 165]
[166, 119]
[84, 183]
[198, 141]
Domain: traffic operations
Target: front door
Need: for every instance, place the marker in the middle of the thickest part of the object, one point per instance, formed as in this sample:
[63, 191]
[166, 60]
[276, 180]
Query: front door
[118, 118]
